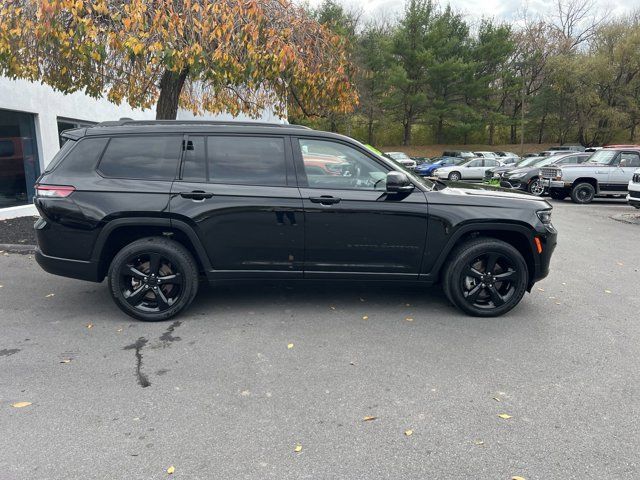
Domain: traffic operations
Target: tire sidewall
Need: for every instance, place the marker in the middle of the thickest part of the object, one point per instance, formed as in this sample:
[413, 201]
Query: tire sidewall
[169, 249]
[534, 181]
[455, 176]
[461, 259]
[580, 187]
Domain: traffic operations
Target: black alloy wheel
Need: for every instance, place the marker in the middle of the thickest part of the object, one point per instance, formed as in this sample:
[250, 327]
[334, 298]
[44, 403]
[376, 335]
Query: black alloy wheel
[485, 277]
[153, 279]
[583, 193]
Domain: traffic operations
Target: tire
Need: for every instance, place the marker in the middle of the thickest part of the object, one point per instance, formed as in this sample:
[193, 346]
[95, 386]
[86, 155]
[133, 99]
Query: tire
[455, 176]
[583, 193]
[465, 276]
[535, 187]
[153, 279]
[558, 194]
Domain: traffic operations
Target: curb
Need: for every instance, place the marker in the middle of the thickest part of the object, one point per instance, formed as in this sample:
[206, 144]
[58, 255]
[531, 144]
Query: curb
[18, 248]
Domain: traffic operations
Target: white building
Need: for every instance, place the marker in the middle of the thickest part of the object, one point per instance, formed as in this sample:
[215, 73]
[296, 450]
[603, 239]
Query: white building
[32, 116]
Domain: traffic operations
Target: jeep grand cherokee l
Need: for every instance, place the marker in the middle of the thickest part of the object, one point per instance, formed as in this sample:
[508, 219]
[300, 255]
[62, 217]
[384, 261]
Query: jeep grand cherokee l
[155, 206]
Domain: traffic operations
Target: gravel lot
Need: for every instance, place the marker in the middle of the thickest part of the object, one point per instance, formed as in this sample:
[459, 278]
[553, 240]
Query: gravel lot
[219, 395]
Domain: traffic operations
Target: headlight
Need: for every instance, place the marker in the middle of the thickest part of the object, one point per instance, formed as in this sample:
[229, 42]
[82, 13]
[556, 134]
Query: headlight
[544, 216]
[517, 176]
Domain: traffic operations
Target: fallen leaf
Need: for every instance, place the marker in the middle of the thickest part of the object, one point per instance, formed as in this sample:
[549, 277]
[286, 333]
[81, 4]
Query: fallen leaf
[362, 299]
[497, 399]
[1, 286]
[541, 289]
[408, 433]
[119, 330]
[171, 469]
[620, 264]
[505, 416]
[409, 319]
[407, 304]
[369, 418]
[365, 317]
[290, 346]
[332, 308]
[245, 393]
[478, 442]
[607, 291]
[66, 360]
[517, 478]
[20, 404]
[89, 325]
[49, 295]
[298, 449]
[558, 303]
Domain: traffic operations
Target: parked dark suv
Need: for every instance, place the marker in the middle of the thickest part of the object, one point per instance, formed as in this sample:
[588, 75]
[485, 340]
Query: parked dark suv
[155, 206]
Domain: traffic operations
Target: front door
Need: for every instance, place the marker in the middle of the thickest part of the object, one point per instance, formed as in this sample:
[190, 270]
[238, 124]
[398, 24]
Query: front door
[239, 193]
[474, 171]
[352, 226]
[622, 170]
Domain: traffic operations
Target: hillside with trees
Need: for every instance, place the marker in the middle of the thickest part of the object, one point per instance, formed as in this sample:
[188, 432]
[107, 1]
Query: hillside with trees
[433, 76]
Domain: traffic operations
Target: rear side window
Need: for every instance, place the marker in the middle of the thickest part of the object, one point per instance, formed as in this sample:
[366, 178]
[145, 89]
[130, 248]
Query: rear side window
[83, 156]
[241, 160]
[6, 148]
[142, 157]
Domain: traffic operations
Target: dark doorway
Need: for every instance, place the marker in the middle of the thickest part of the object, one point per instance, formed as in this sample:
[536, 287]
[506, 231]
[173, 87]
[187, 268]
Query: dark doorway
[19, 164]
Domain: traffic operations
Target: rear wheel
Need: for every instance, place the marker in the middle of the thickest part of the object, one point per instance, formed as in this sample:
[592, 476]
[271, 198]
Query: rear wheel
[153, 279]
[485, 277]
[583, 193]
[455, 176]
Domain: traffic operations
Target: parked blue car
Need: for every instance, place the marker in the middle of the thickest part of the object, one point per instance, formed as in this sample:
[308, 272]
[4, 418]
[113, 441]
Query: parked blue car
[426, 169]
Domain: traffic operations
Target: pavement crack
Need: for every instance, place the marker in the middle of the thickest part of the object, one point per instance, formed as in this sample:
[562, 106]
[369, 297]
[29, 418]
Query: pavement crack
[137, 346]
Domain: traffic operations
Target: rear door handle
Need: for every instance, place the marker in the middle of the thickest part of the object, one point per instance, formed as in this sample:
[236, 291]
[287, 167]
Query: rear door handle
[196, 195]
[325, 200]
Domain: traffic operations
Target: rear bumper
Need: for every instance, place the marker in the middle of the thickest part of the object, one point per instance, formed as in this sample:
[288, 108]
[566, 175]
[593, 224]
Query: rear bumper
[65, 267]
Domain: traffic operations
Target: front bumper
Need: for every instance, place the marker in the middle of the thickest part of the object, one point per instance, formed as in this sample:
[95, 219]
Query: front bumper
[633, 198]
[513, 184]
[548, 183]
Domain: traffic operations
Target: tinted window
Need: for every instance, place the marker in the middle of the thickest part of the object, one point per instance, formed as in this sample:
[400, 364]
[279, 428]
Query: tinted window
[247, 160]
[84, 156]
[490, 163]
[6, 148]
[194, 162]
[329, 164]
[475, 163]
[569, 159]
[144, 157]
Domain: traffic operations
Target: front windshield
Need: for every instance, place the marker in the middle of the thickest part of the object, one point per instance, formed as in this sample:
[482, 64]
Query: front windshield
[603, 157]
[467, 154]
[527, 161]
[399, 156]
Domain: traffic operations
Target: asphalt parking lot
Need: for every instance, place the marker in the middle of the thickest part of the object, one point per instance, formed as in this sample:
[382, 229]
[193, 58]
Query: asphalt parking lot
[221, 394]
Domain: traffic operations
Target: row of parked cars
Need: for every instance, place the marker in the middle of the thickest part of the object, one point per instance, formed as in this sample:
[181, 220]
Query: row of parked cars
[561, 172]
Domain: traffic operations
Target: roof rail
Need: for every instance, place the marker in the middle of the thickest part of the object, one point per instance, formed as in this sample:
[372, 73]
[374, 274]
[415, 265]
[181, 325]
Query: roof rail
[232, 123]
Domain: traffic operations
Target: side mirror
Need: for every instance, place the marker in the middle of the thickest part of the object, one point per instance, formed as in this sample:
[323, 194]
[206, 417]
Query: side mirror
[398, 182]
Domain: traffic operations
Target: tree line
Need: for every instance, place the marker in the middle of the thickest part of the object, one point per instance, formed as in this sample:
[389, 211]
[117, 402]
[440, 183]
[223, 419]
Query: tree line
[432, 76]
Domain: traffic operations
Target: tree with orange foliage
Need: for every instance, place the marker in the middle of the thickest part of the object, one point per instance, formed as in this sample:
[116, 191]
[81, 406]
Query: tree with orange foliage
[238, 56]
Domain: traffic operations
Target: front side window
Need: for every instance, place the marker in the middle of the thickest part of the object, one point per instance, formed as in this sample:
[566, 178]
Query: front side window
[475, 163]
[329, 164]
[142, 157]
[629, 159]
[241, 160]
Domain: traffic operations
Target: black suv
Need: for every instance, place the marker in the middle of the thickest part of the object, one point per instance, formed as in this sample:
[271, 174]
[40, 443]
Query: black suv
[155, 206]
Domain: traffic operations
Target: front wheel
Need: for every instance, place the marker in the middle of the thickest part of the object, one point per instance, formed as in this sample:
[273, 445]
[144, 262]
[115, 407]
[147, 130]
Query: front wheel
[535, 187]
[153, 279]
[455, 176]
[485, 277]
[583, 193]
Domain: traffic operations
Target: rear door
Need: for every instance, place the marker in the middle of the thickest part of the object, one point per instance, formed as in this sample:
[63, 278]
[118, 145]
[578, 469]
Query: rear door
[239, 194]
[352, 226]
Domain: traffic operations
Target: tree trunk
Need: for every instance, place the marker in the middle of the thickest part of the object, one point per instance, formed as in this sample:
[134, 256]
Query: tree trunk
[541, 128]
[492, 133]
[440, 131]
[370, 130]
[171, 85]
[406, 138]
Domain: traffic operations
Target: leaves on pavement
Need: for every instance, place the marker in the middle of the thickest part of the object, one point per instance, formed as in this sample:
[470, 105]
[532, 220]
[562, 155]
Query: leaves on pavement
[365, 317]
[369, 418]
[298, 448]
[49, 295]
[408, 433]
[171, 469]
[20, 404]
[505, 416]
[290, 346]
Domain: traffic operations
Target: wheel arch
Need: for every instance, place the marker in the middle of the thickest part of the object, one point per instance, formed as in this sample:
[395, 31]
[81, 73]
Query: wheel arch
[516, 234]
[591, 180]
[120, 232]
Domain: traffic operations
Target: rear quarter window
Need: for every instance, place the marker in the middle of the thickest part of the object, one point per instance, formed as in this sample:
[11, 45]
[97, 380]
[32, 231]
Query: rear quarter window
[81, 158]
[145, 157]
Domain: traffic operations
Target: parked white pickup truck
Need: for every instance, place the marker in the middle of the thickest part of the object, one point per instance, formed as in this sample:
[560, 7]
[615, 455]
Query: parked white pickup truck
[608, 172]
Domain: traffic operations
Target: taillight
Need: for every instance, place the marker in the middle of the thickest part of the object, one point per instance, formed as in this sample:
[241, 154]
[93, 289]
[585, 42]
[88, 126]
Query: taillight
[54, 191]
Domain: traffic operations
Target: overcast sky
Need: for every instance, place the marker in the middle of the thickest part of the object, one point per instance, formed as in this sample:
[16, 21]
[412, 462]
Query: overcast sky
[498, 9]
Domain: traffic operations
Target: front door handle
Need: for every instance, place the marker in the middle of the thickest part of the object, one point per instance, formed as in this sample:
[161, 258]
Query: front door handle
[325, 200]
[196, 195]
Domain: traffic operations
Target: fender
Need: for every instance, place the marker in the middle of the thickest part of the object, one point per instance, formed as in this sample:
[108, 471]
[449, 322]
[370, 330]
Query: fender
[464, 229]
[150, 222]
